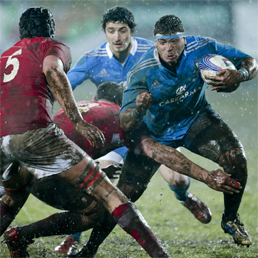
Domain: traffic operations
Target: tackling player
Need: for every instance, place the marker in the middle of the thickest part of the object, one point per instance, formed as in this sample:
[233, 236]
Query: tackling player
[33, 73]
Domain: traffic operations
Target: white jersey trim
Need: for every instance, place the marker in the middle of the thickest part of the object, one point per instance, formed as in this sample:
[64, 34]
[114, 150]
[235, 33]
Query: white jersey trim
[133, 49]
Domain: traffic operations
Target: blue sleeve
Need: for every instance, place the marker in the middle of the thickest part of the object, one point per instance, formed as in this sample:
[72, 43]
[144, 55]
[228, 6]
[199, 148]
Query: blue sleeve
[235, 55]
[136, 85]
[79, 73]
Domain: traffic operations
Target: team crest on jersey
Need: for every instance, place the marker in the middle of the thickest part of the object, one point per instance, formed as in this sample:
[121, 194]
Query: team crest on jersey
[180, 90]
[155, 84]
[103, 73]
[84, 108]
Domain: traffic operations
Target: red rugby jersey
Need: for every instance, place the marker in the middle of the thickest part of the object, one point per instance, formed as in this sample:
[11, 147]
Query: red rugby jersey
[25, 98]
[103, 115]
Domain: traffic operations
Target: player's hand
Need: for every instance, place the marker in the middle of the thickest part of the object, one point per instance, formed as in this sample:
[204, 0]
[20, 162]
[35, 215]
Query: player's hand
[143, 102]
[113, 171]
[226, 80]
[221, 181]
[95, 136]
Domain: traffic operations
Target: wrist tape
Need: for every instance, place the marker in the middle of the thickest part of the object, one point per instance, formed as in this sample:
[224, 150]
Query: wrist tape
[245, 74]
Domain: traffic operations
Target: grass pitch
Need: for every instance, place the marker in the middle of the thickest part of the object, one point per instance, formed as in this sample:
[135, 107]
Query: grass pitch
[180, 233]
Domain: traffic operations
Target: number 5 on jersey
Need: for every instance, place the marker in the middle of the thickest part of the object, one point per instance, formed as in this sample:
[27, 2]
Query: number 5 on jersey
[15, 63]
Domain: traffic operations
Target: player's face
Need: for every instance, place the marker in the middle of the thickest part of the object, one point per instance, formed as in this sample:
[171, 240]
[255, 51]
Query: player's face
[170, 49]
[119, 36]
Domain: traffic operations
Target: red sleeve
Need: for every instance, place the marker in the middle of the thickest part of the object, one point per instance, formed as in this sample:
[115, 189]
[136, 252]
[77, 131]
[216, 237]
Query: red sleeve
[60, 50]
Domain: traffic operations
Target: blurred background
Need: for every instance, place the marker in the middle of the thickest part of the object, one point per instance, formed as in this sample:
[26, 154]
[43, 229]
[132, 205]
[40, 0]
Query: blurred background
[78, 23]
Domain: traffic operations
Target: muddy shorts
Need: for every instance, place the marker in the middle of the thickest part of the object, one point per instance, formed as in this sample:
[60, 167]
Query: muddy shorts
[47, 150]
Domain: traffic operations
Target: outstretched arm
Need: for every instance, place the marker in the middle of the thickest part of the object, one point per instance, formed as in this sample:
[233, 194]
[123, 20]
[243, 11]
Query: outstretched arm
[61, 89]
[226, 80]
[175, 160]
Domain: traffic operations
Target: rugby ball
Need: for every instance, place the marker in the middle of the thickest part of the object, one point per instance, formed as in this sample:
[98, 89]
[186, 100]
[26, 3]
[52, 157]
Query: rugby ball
[210, 64]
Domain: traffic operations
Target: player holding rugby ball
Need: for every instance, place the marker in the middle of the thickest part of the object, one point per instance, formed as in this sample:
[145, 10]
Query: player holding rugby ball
[165, 100]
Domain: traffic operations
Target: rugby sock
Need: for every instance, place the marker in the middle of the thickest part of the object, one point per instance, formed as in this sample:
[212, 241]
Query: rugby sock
[130, 219]
[181, 194]
[6, 217]
[232, 202]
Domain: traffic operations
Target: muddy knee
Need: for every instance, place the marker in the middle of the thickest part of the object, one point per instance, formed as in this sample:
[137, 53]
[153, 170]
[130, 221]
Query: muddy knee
[234, 162]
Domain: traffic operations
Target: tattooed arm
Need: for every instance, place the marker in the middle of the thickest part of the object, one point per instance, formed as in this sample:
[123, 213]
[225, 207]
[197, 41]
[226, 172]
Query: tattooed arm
[62, 91]
[132, 117]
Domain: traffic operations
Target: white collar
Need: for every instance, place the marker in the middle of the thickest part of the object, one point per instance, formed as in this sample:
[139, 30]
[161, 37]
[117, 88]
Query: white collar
[132, 52]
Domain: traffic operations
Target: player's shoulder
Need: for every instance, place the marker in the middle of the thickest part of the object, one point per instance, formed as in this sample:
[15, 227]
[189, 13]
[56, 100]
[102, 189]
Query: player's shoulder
[100, 51]
[49, 42]
[148, 58]
[195, 43]
[97, 109]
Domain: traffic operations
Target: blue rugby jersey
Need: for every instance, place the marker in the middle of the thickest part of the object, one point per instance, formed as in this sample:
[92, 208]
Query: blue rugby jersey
[100, 66]
[177, 98]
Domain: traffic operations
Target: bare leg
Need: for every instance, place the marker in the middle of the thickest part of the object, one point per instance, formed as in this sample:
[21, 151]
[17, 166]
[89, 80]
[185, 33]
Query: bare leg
[124, 213]
[174, 178]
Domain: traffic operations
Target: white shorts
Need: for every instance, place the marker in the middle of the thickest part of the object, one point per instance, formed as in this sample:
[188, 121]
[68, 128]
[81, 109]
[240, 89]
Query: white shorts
[47, 150]
[113, 157]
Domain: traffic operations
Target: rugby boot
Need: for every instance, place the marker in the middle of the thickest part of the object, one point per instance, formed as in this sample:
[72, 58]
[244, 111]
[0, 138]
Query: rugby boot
[84, 252]
[16, 244]
[198, 208]
[68, 246]
[236, 229]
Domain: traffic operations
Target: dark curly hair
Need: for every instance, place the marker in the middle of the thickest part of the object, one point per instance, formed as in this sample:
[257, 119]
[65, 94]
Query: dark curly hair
[37, 22]
[111, 91]
[167, 24]
[118, 14]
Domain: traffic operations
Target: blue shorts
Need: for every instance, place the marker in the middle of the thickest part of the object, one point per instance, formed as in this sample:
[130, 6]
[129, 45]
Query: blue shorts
[122, 151]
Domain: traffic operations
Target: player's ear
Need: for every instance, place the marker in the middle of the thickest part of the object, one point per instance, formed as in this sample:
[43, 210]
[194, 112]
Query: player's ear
[132, 31]
[184, 40]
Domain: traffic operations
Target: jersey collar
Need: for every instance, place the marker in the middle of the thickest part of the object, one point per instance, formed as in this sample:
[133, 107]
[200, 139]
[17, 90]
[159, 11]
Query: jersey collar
[132, 52]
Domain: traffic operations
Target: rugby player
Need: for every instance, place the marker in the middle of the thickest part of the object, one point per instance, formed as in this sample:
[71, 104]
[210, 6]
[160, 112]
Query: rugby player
[33, 73]
[176, 113]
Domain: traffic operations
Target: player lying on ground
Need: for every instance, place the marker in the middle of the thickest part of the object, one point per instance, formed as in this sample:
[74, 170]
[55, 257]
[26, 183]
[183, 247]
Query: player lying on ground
[83, 215]
[112, 61]
[33, 73]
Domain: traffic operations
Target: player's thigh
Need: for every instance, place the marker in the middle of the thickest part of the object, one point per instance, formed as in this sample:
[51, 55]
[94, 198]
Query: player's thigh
[211, 137]
[138, 170]
[60, 195]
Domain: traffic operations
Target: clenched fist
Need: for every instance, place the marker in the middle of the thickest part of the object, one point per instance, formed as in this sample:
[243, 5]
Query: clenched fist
[143, 102]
